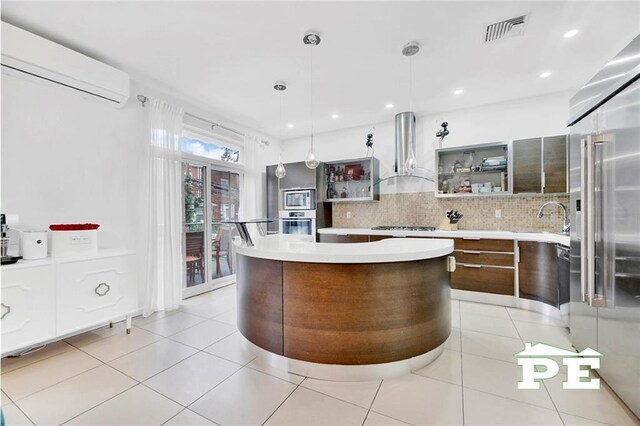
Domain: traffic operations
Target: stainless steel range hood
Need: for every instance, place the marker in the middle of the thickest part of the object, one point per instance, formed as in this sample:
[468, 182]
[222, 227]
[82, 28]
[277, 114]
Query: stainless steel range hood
[405, 141]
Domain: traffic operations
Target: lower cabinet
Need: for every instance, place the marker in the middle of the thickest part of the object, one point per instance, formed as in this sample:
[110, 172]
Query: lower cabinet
[94, 291]
[336, 238]
[488, 266]
[28, 308]
[484, 265]
[44, 300]
[538, 272]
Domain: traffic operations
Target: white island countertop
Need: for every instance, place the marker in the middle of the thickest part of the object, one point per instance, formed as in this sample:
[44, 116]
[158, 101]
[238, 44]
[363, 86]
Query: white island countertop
[544, 237]
[296, 249]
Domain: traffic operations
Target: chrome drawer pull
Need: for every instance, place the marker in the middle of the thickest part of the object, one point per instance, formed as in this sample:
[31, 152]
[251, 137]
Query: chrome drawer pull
[102, 289]
[471, 238]
[471, 252]
[6, 310]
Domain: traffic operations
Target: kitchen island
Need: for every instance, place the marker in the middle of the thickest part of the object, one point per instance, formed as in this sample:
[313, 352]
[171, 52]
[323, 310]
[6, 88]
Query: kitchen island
[345, 311]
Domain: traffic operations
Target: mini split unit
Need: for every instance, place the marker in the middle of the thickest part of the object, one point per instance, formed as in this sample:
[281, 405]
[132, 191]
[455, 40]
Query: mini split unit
[32, 57]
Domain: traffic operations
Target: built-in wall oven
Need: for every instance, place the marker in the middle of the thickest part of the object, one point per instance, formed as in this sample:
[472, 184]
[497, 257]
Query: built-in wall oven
[299, 199]
[298, 222]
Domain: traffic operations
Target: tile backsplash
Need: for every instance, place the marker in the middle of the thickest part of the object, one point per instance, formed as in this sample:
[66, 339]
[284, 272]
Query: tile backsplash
[518, 213]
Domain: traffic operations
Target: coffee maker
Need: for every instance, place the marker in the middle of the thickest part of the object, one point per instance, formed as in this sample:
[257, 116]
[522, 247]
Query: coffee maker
[5, 258]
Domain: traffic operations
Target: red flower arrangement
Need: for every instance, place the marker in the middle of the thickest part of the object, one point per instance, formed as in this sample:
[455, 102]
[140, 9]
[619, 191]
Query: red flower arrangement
[74, 227]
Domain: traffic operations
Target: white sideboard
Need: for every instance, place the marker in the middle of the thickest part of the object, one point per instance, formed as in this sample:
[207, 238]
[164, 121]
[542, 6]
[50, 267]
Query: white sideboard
[51, 298]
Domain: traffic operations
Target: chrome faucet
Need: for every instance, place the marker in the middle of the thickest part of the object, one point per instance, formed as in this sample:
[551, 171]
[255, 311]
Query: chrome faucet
[566, 226]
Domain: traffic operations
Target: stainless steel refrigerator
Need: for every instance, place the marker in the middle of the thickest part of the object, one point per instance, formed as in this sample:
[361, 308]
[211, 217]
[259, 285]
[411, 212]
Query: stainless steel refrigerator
[604, 154]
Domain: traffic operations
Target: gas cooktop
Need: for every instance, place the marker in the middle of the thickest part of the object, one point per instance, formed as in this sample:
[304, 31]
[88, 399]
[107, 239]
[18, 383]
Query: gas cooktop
[403, 228]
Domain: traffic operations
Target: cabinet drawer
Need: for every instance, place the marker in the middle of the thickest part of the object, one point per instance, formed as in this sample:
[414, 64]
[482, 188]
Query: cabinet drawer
[483, 278]
[28, 307]
[477, 257]
[94, 291]
[483, 244]
[333, 238]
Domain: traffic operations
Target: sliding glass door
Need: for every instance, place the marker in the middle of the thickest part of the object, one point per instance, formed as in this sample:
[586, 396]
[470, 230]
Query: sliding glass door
[211, 195]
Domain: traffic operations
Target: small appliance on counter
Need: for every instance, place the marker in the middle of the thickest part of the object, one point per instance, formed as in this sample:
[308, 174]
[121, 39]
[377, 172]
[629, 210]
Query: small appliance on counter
[8, 242]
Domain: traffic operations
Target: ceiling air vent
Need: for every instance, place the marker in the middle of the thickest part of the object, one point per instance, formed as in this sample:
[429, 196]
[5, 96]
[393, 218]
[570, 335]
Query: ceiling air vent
[504, 29]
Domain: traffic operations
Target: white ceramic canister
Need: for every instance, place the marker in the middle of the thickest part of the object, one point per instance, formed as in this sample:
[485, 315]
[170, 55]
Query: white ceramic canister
[34, 244]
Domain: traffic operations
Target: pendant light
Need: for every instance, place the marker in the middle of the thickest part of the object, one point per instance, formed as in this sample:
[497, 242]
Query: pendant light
[409, 50]
[311, 39]
[280, 87]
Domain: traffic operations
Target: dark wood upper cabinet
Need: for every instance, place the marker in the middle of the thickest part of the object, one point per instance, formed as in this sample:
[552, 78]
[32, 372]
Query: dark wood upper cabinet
[540, 165]
[554, 160]
[527, 166]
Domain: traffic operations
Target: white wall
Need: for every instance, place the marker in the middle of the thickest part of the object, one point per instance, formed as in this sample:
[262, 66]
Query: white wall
[66, 159]
[538, 116]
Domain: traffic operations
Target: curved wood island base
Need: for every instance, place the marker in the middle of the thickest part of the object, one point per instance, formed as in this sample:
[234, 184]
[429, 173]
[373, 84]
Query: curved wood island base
[344, 321]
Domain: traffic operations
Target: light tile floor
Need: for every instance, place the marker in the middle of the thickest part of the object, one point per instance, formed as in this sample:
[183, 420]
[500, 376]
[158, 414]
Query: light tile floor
[188, 367]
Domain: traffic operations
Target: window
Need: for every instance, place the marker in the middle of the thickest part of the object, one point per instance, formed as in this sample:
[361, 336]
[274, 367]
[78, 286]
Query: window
[200, 146]
[212, 181]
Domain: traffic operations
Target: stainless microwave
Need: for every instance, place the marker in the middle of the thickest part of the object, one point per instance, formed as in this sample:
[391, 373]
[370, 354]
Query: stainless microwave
[299, 199]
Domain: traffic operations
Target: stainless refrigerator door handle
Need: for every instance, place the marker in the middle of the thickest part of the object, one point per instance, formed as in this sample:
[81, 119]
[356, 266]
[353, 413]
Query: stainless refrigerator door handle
[588, 238]
[607, 268]
[584, 222]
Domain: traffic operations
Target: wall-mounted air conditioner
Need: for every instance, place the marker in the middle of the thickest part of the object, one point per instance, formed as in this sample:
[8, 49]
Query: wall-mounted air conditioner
[30, 56]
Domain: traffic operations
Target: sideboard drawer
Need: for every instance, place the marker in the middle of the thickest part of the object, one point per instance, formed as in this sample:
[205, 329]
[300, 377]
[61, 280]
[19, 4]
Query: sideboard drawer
[28, 307]
[94, 291]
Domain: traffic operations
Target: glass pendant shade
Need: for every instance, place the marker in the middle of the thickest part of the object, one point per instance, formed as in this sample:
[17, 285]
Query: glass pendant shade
[280, 170]
[311, 161]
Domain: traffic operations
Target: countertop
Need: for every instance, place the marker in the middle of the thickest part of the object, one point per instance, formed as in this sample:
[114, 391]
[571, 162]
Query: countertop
[297, 249]
[100, 254]
[545, 237]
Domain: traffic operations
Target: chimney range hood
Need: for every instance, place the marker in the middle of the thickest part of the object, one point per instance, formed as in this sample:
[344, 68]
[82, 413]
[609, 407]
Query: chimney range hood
[405, 143]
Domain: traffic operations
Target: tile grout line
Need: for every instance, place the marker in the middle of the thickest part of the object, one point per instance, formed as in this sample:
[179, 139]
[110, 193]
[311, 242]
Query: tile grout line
[43, 359]
[285, 400]
[22, 411]
[218, 384]
[111, 367]
[333, 397]
[115, 369]
[543, 384]
[106, 400]
[461, 363]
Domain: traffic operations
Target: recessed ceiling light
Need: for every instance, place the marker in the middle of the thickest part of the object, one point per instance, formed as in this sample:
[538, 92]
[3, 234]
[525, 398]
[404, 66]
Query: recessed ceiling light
[570, 33]
[389, 106]
[458, 92]
[290, 126]
[334, 116]
[545, 74]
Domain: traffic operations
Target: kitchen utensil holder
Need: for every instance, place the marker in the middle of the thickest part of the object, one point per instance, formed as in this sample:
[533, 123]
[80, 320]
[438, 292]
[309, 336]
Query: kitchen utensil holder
[445, 225]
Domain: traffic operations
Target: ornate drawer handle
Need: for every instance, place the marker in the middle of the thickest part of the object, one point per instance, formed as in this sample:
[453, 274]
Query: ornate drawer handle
[6, 310]
[102, 289]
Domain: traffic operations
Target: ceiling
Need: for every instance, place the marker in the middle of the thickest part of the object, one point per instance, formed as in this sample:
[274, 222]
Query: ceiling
[227, 55]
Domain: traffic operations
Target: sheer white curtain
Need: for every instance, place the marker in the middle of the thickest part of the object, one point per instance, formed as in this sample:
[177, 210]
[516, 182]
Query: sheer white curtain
[249, 200]
[165, 263]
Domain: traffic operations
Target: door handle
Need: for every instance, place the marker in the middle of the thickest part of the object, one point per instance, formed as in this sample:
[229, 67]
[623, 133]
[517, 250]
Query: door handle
[6, 310]
[102, 289]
